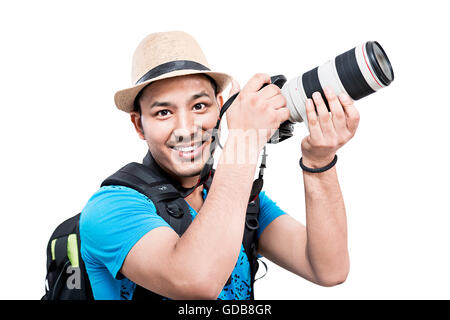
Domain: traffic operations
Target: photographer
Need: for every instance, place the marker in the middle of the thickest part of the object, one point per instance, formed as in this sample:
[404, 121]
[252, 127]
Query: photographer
[174, 104]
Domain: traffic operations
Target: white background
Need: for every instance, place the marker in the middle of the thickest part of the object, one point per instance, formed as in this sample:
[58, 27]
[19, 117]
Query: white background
[61, 63]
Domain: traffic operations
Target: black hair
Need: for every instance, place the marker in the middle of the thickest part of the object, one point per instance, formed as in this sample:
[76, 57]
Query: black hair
[137, 104]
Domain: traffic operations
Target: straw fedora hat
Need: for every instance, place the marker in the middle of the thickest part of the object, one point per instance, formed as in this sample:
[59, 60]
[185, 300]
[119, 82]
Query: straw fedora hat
[165, 55]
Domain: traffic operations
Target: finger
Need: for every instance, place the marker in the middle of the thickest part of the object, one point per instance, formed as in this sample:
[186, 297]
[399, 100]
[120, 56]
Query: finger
[256, 82]
[269, 91]
[324, 116]
[235, 88]
[351, 112]
[278, 101]
[313, 122]
[337, 112]
[283, 114]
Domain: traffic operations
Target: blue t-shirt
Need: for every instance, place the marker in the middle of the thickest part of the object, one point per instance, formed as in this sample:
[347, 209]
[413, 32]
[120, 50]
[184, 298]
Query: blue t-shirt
[116, 217]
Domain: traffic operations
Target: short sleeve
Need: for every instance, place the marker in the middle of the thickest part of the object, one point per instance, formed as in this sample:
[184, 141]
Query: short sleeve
[268, 211]
[111, 223]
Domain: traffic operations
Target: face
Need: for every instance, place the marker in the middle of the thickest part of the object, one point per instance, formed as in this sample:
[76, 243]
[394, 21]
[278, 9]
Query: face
[177, 118]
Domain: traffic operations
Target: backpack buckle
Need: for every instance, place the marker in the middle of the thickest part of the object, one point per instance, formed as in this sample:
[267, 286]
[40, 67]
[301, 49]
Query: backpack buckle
[252, 222]
[174, 210]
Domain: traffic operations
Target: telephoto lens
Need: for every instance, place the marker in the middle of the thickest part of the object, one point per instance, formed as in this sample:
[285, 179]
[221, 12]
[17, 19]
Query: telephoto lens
[358, 72]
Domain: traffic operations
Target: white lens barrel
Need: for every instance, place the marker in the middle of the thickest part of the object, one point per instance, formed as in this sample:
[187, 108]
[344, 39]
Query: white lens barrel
[328, 77]
[358, 72]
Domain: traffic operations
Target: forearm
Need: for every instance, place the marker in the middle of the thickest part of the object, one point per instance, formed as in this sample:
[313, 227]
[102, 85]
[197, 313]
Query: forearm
[212, 243]
[326, 227]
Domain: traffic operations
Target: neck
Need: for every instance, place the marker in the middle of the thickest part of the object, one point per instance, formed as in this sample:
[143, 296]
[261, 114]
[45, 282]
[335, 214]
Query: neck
[196, 194]
[187, 182]
[195, 199]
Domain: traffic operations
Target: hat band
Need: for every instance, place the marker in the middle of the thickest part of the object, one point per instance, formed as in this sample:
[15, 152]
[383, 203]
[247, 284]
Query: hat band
[170, 67]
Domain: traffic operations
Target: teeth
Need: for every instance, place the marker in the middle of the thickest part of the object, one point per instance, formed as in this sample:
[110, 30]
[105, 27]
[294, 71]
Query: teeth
[188, 149]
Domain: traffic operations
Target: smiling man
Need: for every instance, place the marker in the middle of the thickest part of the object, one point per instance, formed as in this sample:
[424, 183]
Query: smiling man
[174, 106]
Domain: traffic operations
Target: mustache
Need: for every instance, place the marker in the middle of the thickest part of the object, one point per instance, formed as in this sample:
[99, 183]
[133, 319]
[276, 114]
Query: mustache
[188, 139]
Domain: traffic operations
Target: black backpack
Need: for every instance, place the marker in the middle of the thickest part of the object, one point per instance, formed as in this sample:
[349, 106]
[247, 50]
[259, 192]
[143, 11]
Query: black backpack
[67, 278]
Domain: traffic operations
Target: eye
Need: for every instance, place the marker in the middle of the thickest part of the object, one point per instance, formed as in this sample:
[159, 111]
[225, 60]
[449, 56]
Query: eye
[163, 113]
[199, 106]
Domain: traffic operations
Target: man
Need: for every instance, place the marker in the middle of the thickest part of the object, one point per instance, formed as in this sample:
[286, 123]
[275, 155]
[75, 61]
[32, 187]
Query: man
[174, 105]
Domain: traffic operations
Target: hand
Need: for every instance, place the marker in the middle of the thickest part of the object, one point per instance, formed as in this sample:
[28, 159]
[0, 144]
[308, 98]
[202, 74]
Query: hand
[257, 113]
[328, 130]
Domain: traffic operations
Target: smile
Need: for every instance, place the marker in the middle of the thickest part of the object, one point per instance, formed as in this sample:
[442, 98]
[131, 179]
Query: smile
[189, 148]
[189, 152]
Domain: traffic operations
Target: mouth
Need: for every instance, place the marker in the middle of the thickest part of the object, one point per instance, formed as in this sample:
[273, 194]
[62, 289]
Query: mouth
[191, 151]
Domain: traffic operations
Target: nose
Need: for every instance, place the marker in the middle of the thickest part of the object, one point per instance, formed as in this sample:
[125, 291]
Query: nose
[185, 128]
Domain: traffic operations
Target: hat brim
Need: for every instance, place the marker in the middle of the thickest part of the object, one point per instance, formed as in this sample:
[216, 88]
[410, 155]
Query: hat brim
[124, 99]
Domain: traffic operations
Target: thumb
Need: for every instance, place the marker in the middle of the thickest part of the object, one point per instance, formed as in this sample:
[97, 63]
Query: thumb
[235, 88]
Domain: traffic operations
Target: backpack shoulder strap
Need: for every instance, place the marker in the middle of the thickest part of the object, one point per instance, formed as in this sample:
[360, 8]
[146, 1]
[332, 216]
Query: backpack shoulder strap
[166, 198]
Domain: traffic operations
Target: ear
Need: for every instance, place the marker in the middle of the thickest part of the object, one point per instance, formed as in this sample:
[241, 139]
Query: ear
[220, 100]
[136, 119]
[235, 88]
